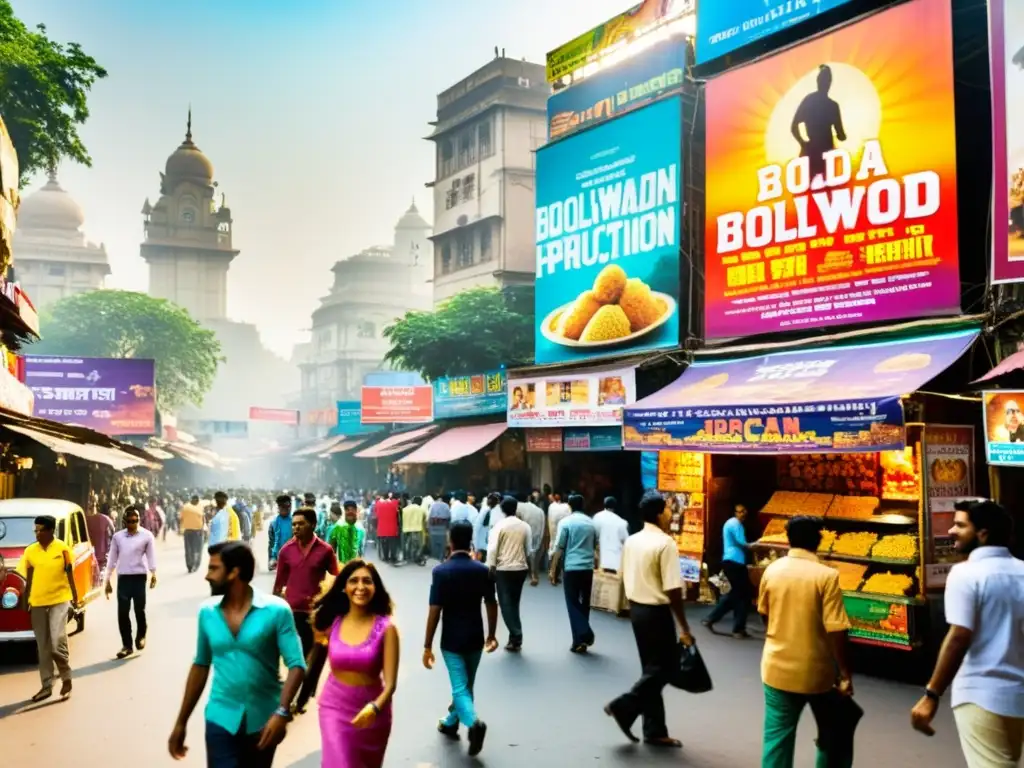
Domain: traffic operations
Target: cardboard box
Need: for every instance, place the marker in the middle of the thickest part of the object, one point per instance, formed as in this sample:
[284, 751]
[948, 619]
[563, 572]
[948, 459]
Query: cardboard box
[607, 593]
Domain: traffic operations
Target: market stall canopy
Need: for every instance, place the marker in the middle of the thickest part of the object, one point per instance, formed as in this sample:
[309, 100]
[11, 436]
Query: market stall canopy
[344, 447]
[1009, 374]
[113, 457]
[823, 400]
[320, 446]
[395, 443]
[455, 444]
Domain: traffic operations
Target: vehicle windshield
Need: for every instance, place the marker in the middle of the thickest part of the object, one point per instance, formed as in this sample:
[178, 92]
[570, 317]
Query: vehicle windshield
[17, 531]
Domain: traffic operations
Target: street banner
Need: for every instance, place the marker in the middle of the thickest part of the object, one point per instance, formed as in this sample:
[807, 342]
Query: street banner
[592, 439]
[544, 440]
[276, 415]
[577, 399]
[620, 29]
[321, 417]
[349, 420]
[611, 92]
[1004, 427]
[827, 400]
[397, 405]
[841, 202]
[607, 232]
[472, 395]
[115, 396]
[722, 27]
[1006, 48]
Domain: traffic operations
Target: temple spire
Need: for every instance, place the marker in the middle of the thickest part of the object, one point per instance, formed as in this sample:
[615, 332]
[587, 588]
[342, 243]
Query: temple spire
[188, 126]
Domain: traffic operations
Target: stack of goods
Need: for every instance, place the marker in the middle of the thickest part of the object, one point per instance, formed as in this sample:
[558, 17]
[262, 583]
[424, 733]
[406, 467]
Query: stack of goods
[853, 473]
[775, 527]
[854, 544]
[888, 584]
[690, 542]
[783, 503]
[902, 546]
[828, 538]
[850, 575]
[853, 507]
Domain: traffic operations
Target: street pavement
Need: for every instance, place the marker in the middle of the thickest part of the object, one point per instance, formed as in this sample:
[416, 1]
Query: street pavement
[543, 708]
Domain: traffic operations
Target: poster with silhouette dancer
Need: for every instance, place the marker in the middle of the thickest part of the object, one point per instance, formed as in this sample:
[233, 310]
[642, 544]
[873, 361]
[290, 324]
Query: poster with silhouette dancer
[831, 166]
[1006, 46]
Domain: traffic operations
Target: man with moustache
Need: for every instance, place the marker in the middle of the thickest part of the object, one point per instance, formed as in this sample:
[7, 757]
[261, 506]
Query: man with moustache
[244, 635]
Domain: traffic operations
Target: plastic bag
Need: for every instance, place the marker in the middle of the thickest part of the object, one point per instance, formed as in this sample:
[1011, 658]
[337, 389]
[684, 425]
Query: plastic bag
[691, 674]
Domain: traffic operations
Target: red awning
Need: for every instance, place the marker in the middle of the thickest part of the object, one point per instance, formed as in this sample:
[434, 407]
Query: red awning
[1014, 364]
[395, 443]
[455, 443]
[344, 447]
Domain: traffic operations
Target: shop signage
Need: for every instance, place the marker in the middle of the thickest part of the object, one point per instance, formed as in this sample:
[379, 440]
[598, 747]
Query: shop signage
[949, 476]
[855, 221]
[115, 396]
[578, 399]
[680, 472]
[567, 58]
[476, 395]
[1006, 47]
[607, 233]
[15, 396]
[1004, 427]
[722, 27]
[592, 439]
[544, 440]
[878, 621]
[321, 417]
[828, 400]
[689, 569]
[349, 420]
[397, 405]
[277, 415]
[649, 470]
[610, 92]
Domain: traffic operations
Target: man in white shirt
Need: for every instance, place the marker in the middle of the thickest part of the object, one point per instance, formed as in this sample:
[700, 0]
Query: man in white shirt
[508, 551]
[612, 532]
[654, 587]
[533, 516]
[983, 653]
[558, 510]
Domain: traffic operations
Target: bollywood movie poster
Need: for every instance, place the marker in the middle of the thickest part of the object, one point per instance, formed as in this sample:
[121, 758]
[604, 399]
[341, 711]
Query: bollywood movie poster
[1006, 47]
[840, 161]
[1004, 427]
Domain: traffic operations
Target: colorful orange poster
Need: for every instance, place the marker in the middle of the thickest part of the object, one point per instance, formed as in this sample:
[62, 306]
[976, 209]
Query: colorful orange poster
[831, 168]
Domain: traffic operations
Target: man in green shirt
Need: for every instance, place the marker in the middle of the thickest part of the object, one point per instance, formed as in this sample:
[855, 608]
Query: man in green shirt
[346, 538]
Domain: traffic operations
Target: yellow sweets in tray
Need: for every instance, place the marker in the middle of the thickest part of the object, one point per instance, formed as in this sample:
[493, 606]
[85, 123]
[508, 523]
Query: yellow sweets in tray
[888, 583]
[775, 526]
[774, 538]
[850, 575]
[828, 538]
[902, 546]
[854, 544]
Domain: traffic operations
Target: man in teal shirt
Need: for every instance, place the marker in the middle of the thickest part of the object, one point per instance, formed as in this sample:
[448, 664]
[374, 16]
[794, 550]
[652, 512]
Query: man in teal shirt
[243, 635]
[577, 539]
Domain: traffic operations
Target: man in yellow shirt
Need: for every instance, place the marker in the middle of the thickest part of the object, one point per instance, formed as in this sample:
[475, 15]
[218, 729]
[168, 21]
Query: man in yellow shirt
[49, 593]
[414, 524]
[192, 523]
[804, 655]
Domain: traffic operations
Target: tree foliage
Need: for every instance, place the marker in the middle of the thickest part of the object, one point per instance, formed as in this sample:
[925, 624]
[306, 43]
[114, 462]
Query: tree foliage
[43, 87]
[129, 324]
[474, 331]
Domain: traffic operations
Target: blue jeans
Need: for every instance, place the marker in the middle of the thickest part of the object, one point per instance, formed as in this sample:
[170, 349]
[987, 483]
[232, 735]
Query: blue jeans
[235, 750]
[462, 674]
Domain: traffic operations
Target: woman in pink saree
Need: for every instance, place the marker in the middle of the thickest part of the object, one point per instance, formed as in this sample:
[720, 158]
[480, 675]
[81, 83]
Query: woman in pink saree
[362, 653]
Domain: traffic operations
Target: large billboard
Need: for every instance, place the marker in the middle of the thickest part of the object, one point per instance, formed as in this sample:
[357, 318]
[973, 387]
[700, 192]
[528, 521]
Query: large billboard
[1006, 46]
[607, 232]
[397, 405]
[725, 25]
[610, 92]
[115, 396]
[471, 395]
[840, 201]
[593, 398]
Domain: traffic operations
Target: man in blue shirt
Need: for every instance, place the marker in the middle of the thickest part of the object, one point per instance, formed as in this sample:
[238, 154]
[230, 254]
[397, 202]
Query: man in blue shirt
[458, 588]
[577, 538]
[279, 530]
[244, 635]
[734, 564]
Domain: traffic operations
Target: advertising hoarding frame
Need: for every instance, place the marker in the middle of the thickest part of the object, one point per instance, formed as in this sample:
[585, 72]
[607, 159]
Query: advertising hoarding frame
[462, 396]
[1006, 31]
[591, 398]
[397, 405]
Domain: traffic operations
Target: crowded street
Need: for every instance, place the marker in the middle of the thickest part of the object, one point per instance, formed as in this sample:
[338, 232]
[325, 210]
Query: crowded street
[543, 706]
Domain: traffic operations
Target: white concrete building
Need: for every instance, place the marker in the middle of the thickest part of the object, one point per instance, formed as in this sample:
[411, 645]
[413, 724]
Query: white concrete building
[371, 290]
[53, 259]
[487, 129]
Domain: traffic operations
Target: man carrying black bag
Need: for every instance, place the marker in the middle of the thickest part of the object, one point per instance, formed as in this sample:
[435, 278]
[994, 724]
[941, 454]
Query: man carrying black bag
[654, 587]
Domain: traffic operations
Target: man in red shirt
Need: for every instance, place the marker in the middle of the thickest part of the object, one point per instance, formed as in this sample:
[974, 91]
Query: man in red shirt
[302, 564]
[387, 528]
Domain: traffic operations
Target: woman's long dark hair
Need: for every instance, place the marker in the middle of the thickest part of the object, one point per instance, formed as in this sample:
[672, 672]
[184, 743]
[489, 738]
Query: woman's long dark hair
[335, 603]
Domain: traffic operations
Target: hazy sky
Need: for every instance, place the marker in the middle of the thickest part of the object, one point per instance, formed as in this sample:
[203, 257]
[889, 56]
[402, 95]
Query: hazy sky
[312, 112]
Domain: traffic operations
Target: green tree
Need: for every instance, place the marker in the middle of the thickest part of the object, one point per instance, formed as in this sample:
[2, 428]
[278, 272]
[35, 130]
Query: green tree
[43, 87]
[129, 324]
[474, 331]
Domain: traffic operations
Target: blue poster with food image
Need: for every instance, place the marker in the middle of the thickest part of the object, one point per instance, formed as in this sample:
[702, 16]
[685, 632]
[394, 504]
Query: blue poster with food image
[607, 233]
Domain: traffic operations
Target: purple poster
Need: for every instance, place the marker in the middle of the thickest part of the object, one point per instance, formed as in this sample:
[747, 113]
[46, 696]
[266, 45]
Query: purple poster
[112, 396]
[1006, 47]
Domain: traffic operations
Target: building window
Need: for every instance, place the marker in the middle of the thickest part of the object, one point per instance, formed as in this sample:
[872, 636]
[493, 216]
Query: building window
[465, 258]
[486, 254]
[451, 197]
[366, 330]
[57, 270]
[447, 157]
[468, 187]
[467, 150]
[446, 258]
[483, 133]
[188, 216]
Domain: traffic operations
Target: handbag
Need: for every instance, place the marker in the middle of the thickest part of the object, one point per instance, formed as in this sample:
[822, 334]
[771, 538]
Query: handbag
[690, 673]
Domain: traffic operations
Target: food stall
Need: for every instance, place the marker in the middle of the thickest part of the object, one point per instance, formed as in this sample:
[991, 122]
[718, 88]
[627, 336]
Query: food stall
[821, 432]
